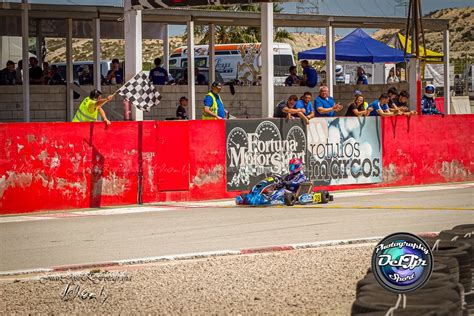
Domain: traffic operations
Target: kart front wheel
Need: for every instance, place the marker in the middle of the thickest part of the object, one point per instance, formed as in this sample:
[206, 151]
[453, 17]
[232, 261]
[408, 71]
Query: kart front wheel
[289, 199]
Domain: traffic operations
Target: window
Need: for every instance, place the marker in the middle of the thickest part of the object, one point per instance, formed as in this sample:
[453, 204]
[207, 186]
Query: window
[198, 62]
[282, 64]
[175, 55]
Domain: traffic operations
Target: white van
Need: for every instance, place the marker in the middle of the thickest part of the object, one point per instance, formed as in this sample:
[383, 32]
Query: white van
[240, 62]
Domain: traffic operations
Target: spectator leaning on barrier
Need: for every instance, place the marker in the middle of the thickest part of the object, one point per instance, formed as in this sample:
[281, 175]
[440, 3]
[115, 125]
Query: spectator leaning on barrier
[361, 76]
[91, 107]
[8, 74]
[402, 101]
[293, 79]
[393, 102]
[310, 76]
[428, 104]
[181, 112]
[159, 75]
[392, 96]
[358, 108]
[380, 107]
[325, 105]
[115, 75]
[287, 109]
[305, 103]
[213, 106]
[357, 93]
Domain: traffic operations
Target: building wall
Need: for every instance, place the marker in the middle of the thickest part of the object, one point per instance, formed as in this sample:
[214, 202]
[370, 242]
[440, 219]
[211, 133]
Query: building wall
[48, 103]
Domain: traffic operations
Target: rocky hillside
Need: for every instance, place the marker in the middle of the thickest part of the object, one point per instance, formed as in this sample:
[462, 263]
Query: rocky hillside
[461, 38]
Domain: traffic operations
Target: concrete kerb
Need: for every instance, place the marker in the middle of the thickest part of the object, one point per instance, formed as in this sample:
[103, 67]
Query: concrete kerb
[203, 255]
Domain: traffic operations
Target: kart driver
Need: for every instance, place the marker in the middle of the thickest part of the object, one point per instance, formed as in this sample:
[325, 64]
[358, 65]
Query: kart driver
[292, 181]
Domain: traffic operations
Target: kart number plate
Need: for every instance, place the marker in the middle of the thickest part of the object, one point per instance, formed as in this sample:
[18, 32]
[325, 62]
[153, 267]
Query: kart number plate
[317, 198]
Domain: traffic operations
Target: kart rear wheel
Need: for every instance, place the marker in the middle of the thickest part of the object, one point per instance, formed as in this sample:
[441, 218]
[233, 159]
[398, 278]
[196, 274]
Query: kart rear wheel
[289, 199]
[325, 197]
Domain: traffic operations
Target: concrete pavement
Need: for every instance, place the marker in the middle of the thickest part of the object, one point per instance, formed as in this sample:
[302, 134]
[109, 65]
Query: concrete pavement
[87, 237]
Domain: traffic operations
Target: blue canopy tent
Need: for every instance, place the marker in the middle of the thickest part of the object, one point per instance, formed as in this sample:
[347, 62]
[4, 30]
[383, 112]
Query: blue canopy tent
[357, 46]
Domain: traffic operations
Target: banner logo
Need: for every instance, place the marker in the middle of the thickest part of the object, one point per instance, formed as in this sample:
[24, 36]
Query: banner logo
[261, 148]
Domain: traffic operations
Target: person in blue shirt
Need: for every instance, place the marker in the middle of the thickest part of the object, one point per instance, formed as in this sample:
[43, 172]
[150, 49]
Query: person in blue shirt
[158, 75]
[310, 76]
[428, 104]
[115, 75]
[305, 103]
[325, 105]
[380, 107]
[361, 76]
[213, 105]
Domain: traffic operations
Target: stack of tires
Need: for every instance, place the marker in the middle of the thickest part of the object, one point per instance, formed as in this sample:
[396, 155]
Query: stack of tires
[449, 291]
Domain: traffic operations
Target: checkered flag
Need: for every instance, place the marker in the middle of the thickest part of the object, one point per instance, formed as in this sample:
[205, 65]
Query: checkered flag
[141, 92]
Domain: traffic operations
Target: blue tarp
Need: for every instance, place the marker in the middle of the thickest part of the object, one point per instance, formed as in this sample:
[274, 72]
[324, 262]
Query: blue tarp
[357, 46]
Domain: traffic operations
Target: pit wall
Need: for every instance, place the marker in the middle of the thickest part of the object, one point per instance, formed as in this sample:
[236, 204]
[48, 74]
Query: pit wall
[52, 166]
[48, 103]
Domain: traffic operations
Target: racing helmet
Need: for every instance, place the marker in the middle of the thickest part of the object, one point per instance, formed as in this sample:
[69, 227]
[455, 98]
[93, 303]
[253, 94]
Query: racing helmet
[295, 166]
[339, 70]
[430, 91]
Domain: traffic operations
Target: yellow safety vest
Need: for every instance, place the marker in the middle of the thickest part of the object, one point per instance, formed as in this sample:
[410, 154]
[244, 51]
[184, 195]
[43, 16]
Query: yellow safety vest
[213, 108]
[83, 114]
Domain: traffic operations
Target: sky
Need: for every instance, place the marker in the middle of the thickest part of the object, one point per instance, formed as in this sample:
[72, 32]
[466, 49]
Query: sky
[326, 7]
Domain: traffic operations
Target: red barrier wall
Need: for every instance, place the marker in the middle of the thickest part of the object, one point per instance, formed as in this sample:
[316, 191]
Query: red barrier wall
[48, 166]
[428, 149]
[64, 165]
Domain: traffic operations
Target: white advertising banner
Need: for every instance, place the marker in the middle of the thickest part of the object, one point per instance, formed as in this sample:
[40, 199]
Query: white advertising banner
[344, 150]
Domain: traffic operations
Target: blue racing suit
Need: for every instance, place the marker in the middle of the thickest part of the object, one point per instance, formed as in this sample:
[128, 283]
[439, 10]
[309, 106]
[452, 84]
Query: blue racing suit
[428, 106]
[292, 182]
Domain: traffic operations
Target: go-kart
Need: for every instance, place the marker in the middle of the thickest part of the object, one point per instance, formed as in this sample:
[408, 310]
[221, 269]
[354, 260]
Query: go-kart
[270, 191]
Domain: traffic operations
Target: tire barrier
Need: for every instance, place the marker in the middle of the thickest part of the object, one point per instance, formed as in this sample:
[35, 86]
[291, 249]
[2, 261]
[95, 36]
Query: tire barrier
[449, 291]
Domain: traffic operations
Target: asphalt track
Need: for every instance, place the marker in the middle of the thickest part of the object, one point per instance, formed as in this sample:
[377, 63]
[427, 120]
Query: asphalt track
[56, 239]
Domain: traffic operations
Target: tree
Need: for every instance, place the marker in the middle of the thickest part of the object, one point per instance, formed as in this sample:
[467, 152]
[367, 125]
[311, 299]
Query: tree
[237, 34]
